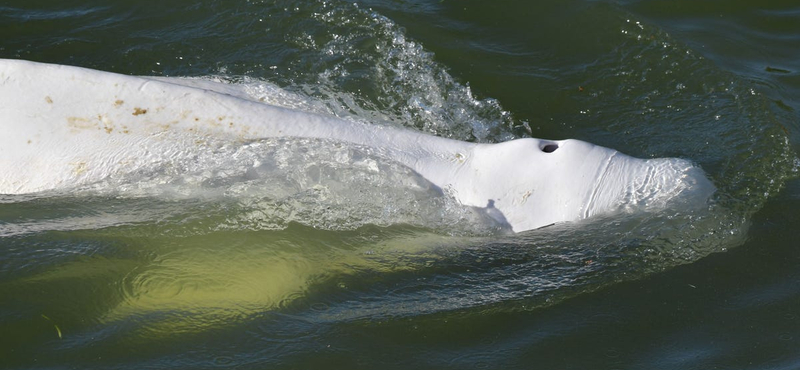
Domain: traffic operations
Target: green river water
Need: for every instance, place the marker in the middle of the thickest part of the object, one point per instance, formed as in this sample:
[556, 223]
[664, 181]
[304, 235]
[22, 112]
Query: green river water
[318, 263]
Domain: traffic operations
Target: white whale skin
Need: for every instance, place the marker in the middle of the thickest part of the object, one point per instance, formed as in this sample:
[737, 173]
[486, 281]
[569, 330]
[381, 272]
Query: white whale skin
[63, 126]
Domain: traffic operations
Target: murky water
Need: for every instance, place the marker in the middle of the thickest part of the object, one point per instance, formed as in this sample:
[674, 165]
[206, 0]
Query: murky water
[330, 256]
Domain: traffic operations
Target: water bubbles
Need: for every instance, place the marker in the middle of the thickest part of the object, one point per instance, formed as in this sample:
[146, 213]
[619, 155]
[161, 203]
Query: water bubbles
[269, 184]
[371, 70]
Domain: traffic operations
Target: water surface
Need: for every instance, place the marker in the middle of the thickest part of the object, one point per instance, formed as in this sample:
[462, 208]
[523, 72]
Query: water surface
[331, 257]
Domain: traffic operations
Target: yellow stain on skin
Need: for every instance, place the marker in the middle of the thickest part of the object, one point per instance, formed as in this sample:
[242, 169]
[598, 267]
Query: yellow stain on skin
[138, 111]
[80, 123]
[78, 168]
[108, 126]
[214, 123]
[99, 122]
[526, 196]
[118, 103]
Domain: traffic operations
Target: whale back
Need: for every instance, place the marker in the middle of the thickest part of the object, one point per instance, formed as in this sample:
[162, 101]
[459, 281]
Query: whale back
[65, 126]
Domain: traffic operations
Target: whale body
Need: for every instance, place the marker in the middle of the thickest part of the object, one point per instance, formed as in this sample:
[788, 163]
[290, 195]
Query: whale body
[64, 126]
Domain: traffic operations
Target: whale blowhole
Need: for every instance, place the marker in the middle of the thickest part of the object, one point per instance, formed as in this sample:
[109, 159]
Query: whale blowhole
[549, 148]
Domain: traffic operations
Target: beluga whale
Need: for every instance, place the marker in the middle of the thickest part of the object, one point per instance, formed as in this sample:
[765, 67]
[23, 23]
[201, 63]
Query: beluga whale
[62, 127]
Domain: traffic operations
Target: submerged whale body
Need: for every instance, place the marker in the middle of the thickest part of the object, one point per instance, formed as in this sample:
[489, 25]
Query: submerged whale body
[63, 126]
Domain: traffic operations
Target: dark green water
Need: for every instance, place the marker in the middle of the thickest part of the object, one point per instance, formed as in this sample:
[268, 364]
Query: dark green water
[177, 270]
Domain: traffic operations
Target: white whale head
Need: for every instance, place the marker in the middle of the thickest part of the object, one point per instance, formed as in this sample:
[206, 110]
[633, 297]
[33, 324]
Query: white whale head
[532, 183]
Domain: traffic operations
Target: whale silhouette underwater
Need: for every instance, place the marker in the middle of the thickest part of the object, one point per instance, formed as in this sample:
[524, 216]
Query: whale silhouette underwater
[63, 127]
